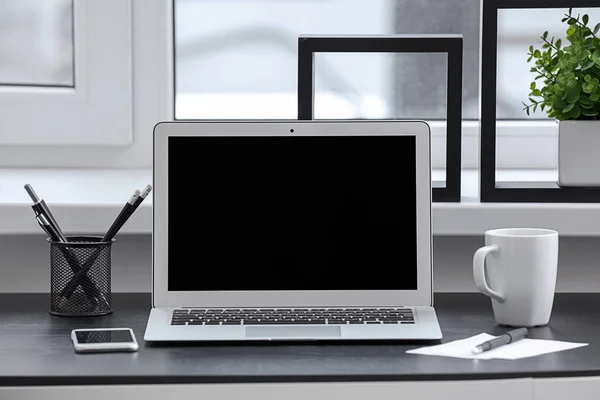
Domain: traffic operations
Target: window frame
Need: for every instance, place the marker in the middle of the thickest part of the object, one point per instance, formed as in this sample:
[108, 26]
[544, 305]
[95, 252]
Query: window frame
[149, 81]
[97, 110]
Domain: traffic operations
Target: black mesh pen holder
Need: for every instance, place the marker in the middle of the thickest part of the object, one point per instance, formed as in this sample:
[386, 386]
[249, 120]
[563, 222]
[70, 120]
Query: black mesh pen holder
[80, 277]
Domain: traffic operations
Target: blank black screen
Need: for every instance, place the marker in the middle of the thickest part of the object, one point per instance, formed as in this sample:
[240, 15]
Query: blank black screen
[292, 213]
[112, 336]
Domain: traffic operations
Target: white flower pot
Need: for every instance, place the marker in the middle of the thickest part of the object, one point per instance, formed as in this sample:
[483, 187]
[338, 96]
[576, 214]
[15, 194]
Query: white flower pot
[579, 153]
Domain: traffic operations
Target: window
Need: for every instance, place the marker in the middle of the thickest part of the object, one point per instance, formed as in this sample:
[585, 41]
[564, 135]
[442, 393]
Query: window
[238, 59]
[45, 29]
[82, 83]
[244, 65]
[525, 141]
[66, 72]
[516, 34]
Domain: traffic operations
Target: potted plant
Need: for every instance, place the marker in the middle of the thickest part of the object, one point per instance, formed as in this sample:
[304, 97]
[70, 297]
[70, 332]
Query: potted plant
[570, 93]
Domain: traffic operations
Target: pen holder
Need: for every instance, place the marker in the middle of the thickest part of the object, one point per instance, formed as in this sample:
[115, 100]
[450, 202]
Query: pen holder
[80, 277]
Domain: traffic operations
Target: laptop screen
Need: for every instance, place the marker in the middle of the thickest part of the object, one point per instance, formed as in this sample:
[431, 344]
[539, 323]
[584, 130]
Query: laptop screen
[292, 213]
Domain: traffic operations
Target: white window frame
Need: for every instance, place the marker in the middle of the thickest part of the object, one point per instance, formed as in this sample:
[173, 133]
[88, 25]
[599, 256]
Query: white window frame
[98, 110]
[150, 80]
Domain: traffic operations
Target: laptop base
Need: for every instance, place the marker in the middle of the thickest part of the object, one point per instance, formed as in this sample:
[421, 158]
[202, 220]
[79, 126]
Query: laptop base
[159, 328]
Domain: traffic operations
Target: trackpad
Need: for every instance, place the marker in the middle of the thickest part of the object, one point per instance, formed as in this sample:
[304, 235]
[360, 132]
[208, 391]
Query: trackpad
[290, 332]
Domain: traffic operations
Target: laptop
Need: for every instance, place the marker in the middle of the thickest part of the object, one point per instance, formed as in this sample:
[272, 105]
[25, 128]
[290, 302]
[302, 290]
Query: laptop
[292, 230]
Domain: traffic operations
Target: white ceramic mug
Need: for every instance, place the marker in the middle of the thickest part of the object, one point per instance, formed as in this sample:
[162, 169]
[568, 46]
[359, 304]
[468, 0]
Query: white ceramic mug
[520, 276]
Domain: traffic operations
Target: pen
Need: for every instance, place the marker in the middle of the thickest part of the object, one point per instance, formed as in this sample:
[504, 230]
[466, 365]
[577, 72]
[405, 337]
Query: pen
[131, 205]
[48, 223]
[81, 274]
[45, 225]
[39, 207]
[142, 196]
[122, 217]
[508, 337]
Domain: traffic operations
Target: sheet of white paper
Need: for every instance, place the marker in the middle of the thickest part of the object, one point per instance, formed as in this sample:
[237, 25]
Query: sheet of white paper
[514, 351]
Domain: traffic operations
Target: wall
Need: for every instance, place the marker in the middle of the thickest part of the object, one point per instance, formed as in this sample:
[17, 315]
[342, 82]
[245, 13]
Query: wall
[24, 264]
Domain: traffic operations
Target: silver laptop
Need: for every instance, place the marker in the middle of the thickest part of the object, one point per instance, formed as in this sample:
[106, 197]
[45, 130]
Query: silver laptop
[292, 230]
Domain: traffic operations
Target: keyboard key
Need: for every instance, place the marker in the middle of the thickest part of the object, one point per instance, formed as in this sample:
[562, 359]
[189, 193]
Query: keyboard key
[258, 322]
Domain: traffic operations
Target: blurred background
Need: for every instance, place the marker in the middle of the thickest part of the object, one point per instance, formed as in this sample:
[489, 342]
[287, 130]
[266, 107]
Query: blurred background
[238, 58]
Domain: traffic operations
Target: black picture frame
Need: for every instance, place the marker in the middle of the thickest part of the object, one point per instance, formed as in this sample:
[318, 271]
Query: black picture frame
[524, 192]
[452, 45]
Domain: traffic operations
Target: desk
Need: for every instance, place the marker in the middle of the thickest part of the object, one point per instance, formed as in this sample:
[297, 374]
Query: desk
[37, 360]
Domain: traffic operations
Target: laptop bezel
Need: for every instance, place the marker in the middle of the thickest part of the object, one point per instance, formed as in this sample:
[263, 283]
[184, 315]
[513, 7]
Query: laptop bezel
[162, 297]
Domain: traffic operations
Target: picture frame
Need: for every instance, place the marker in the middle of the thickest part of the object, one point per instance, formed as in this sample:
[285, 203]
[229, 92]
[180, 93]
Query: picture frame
[490, 189]
[451, 44]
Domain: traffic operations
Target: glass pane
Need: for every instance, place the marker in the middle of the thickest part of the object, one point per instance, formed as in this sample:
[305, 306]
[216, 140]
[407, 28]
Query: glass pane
[36, 42]
[437, 16]
[351, 85]
[517, 30]
[238, 58]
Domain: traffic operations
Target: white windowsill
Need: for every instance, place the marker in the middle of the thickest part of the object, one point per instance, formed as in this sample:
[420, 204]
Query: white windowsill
[87, 201]
[83, 201]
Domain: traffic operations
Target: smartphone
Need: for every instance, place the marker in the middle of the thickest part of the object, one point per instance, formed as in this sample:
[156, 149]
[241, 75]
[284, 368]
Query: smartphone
[103, 340]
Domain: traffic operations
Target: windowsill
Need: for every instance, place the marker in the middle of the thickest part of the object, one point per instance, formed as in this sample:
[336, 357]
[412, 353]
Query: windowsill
[87, 201]
[82, 201]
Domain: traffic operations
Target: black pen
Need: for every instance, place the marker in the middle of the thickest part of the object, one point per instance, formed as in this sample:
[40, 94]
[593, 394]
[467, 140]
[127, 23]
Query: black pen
[142, 196]
[39, 207]
[507, 338]
[123, 216]
[48, 223]
[81, 274]
[131, 205]
[47, 227]
[126, 213]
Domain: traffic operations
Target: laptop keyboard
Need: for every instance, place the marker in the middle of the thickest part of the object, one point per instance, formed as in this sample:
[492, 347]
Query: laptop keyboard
[293, 316]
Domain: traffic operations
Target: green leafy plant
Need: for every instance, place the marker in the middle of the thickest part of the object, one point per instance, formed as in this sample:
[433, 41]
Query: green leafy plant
[570, 74]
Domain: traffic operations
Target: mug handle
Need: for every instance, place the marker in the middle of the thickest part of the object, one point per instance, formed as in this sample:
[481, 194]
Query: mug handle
[479, 272]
